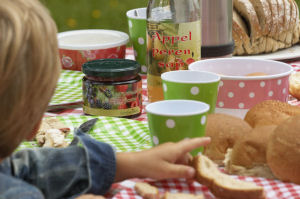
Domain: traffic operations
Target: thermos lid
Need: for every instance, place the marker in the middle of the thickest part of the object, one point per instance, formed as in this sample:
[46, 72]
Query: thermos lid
[217, 50]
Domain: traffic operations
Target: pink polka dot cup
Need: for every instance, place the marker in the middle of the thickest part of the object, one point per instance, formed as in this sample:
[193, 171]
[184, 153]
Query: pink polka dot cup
[246, 82]
[79, 46]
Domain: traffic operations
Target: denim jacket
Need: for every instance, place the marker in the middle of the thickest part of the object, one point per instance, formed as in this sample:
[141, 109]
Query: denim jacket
[86, 166]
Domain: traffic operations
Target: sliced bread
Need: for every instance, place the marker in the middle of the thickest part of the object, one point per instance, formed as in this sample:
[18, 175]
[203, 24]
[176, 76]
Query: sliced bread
[169, 195]
[222, 185]
[146, 190]
[264, 14]
[247, 11]
[240, 34]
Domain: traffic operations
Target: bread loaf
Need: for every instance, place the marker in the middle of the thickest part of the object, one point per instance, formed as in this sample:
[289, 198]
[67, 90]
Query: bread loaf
[269, 24]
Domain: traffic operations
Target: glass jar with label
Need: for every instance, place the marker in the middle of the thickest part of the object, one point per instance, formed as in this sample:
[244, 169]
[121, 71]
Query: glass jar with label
[173, 39]
[112, 87]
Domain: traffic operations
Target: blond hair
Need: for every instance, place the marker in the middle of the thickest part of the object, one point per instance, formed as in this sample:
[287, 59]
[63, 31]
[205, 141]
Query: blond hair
[29, 69]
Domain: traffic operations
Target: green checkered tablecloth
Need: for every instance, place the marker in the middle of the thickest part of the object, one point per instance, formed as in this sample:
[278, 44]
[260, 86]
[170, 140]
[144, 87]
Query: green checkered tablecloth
[69, 88]
[123, 134]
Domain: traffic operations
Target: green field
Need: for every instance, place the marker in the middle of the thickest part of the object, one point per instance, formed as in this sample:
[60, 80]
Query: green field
[101, 14]
[92, 14]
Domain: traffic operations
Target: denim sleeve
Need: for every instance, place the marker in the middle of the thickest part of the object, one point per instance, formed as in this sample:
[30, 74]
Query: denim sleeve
[86, 166]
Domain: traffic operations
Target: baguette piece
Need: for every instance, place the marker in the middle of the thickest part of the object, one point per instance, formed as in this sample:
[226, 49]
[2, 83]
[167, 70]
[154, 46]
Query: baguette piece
[146, 191]
[169, 195]
[222, 185]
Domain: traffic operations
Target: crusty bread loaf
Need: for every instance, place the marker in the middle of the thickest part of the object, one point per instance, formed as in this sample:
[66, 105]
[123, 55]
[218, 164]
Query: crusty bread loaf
[248, 155]
[270, 24]
[223, 130]
[283, 151]
[222, 185]
[270, 112]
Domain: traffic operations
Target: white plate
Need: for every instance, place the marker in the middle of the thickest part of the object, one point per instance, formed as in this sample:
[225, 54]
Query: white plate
[285, 54]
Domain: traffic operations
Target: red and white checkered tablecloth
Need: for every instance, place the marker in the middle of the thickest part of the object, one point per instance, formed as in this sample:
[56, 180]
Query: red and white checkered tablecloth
[125, 190]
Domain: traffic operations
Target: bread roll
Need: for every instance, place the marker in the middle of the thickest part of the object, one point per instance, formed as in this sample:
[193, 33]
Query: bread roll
[270, 112]
[294, 82]
[222, 185]
[283, 151]
[224, 130]
[248, 155]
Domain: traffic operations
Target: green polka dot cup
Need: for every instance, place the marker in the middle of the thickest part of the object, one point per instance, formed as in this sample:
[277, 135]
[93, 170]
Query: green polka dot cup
[137, 31]
[191, 85]
[174, 120]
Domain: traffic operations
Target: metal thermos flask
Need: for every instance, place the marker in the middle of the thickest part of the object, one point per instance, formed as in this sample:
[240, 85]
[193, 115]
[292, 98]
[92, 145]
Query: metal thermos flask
[216, 29]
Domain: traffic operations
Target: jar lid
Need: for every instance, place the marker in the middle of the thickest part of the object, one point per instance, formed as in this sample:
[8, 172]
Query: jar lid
[110, 68]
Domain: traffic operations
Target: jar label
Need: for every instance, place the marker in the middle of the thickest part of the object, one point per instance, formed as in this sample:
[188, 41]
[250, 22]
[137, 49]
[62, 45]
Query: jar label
[112, 100]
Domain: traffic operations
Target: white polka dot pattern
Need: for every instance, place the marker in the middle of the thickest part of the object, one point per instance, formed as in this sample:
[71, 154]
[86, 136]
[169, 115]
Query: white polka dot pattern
[194, 90]
[141, 41]
[203, 119]
[144, 68]
[170, 123]
[165, 87]
[155, 140]
[244, 94]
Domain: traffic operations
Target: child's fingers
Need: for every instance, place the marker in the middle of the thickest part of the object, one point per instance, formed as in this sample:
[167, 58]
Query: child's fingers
[185, 159]
[188, 145]
[180, 171]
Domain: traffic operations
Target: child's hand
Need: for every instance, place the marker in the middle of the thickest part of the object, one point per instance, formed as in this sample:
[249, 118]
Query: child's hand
[169, 160]
[90, 196]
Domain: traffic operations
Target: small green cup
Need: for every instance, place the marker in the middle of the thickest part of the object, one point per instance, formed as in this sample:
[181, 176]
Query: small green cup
[174, 120]
[137, 31]
[192, 85]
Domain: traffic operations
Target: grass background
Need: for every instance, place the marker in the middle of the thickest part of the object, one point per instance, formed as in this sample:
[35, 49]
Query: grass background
[92, 14]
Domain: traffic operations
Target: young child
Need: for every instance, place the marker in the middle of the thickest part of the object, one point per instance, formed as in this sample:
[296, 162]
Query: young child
[29, 69]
